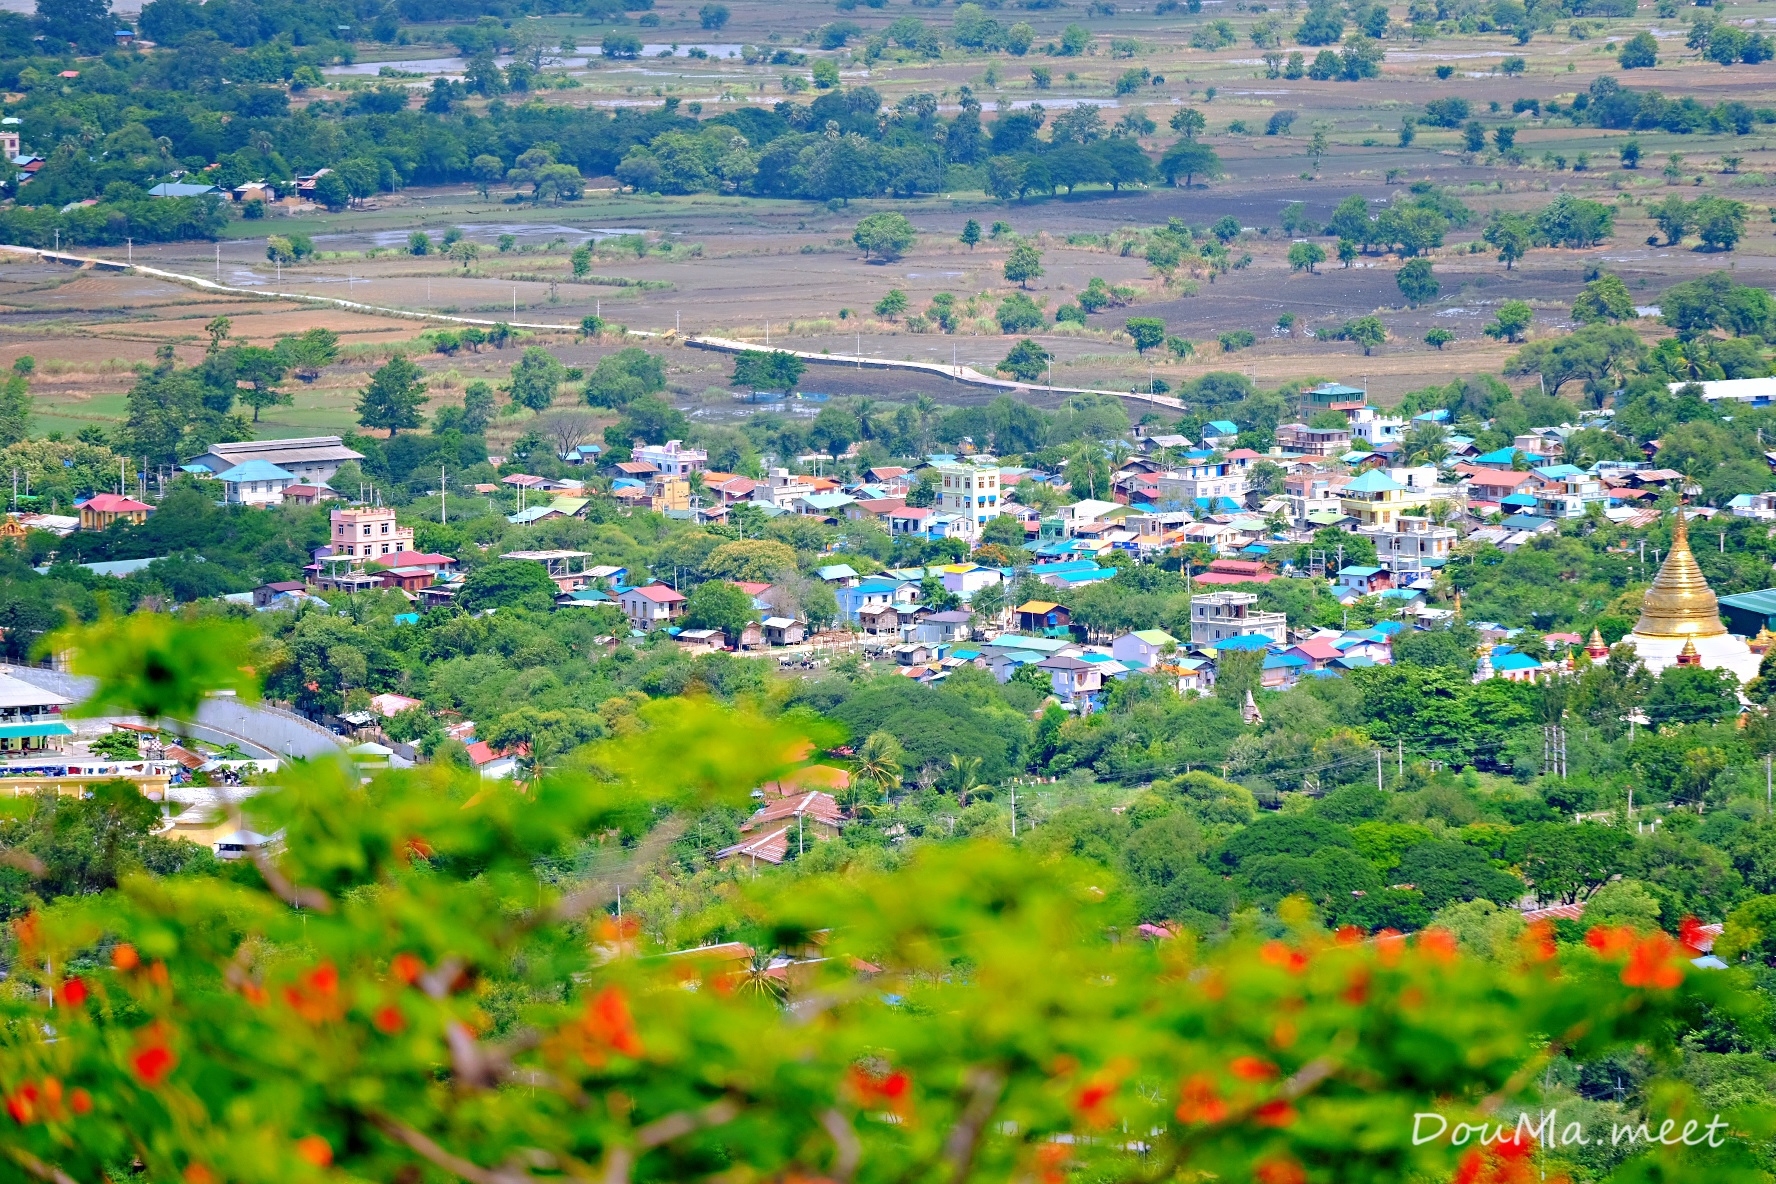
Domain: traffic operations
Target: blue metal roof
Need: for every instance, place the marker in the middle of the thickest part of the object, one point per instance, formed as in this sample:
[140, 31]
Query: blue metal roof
[1245, 641]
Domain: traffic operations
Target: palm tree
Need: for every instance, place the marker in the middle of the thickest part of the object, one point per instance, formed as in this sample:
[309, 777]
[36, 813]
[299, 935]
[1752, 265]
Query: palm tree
[756, 977]
[1427, 442]
[964, 776]
[865, 409]
[878, 762]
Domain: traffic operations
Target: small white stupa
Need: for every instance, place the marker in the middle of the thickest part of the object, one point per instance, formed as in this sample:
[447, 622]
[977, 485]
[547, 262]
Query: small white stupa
[1680, 609]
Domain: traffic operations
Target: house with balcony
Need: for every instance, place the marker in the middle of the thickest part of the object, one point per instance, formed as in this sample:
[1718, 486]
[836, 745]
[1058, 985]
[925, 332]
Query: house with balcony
[1302, 440]
[672, 458]
[1333, 396]
[1216, 616]
[1411, 543]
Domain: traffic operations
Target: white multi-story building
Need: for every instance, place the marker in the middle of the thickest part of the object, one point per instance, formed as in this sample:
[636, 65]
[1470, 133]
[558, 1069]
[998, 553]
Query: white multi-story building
[971, 492]
[782, 488]
[1203, 484]
[1407, 542]
[1369, 424]
[672, 459]
[1216, 616]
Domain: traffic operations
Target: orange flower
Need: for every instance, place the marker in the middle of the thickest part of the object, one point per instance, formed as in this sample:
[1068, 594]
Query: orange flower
[1501, 1163]
[1279, 1171]
[1654, 963]
[315, 1150]
[73, 992]
[1283, 956]
[22, 1105]
[615, 929]
[1200, 1101]
[1438, 944]
[608, 1022]
[406, 969]
[1051, 1159]
[389, 1020]
[1612, 941]
[1357, 989]
[1348, 935]
[1284, 1034]
[415, 849]
[81, 1101]
[1275, 1113]
[315, 996]
[1092, 1102]
[124, 957]
[25, 928]
[153, 1062]
[892, 1091]
[1389, 945]
[1537, 942]
[196, 1173]
[1252, 1068]
[1695, 936]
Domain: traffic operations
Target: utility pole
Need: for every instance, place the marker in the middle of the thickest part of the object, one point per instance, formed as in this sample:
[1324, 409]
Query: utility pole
[129, 250]
[443, 505]
[1378, 768]
[1014, 809]
[1400, 756]
[1767, 794]
[218, 263]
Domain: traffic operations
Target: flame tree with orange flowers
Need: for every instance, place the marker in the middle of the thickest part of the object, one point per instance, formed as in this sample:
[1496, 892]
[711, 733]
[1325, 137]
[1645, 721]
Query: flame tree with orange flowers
[398, 993]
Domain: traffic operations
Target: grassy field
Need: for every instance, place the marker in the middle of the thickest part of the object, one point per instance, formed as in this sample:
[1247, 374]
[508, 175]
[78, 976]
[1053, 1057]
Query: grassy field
[741, 266]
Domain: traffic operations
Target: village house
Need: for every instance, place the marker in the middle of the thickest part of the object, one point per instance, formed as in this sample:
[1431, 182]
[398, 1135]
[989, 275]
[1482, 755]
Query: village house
[1073, 680]
[652, 606]
[102, 509]
[255, 483]
[1216, 616]
[1143, 647]
[1037, 616]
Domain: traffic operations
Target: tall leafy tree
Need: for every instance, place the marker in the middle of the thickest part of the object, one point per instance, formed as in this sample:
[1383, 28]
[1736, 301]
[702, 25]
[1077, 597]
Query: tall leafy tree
[535, 379]
[394, 396]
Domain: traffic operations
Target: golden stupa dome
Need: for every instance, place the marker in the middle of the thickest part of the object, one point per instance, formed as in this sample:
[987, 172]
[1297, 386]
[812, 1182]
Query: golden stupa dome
[1680, 603]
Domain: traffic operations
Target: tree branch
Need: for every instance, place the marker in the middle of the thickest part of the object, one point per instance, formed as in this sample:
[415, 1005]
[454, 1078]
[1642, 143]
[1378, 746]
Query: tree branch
[847, 1149]
[291, 894]
[619, 1160]
[601, 891]
[985, 1086]
[38, 1168]
[438, 1156]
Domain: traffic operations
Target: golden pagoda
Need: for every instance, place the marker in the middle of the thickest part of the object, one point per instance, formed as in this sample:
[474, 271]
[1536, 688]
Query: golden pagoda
[1680, 622]
[1597, 648]
[1680, 603]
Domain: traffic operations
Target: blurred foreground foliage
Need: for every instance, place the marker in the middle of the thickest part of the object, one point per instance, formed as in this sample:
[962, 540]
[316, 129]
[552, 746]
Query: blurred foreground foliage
[402, 993]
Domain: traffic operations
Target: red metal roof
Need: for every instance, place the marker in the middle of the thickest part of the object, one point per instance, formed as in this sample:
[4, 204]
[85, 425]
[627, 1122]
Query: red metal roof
[658, 593]
[111, 503]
